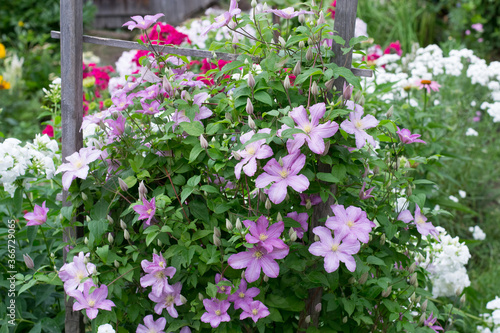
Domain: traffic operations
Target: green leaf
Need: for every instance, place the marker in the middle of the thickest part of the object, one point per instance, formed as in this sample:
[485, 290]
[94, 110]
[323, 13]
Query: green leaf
[304, 76]
[231, 66]
[375, 261]
[26, 286]
[264, 97]
[357, 40]
[327, 177]
[194, 128]
[193, 181]
[317, 277]
[194, 153]
[209, 189]
[102, 252]
[151, 237]
[199, 210]
[348, 305]
[97, 228]
[221, 208]
[186, 192]
[200, 234]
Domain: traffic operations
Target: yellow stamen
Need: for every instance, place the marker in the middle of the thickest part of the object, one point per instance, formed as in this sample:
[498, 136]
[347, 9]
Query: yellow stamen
[149, 211]
[169, 300]
[250, 150]
[263, 237]
[241, 295]
[217, 312]
[358, 124]
[335, 247]
[307, 128]
[284, 173]
[350, 223]
[255, 311]
[258, 254]
[91, 303]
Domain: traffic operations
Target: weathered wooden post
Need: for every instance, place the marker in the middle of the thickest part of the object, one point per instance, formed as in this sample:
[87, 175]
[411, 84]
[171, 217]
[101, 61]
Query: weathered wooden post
[71, 116]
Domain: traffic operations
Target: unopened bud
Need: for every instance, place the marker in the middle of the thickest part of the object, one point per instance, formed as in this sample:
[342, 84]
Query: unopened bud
[242, 275]
[217, 241]
[280, 161]
[251, 123]
[321, 19]
[327, 148]
[412, 268]
[290, 231]
[352, 280]
[110, 219]
[413, 297]
[309, 54]
[318, 307]
[268, 204]
[314, 89]
[390, 112]
[86, 241]
[418, 299]
[413, 279]
[28, 261]
[463, 300]
[123, 185]
[329, 84]
[316, 238]
[361, 100]
[228, 116]
[236, 155]
[167, 86]
[142, 190]
[126, 234]
[344, 320]
[287, 83]
[155, 251]
[387, 292]
[251, 80]
[200, 297]
[424, 305]
[229, 225]
[116, 263]
[123, 225]
[279, 217]
[183, 299]
[347, 91]
[302, 44]
[282, 41]
[253, 3]
[308, 319]
[265, 278]
[232, 25]
[308, 204]
[422, 319]
[84, 196]
[363, 278]
[293, 236]
[216, 232]
[203, 142]
[249, 107]
[382, 239]
[159, 242]
[409, 190]
[238, 224]
[110, 238]
[297, 69]
[302, 18]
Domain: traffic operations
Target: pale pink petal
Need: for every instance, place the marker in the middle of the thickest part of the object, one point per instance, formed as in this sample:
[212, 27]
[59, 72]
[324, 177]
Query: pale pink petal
[277, 192]
[299, 183]
[317, 112]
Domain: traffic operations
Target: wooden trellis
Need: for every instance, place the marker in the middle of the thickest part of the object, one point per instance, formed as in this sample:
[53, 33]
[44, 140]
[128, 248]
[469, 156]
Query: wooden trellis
[72, 40]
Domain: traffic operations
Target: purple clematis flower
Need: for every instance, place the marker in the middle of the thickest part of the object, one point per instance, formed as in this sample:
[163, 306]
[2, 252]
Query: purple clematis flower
[334, 250]
[429, 322]
[302, 219]
[357, 125]
[151, 108]
[351, 222]
[314, 132]
[142, 22]
[167, 300]
[312, 199]
[117, 127]
[222, 289]
[261, 235]
[150, 92]
[252, 152]
[152, 326]
[254, 310]
[146, 210]
[216, 312]
[157, 275]
[423, 227]
[406, 137]
[224, 18]
[283, 176]
[78, 165]
[257, 259]
[198, 99]
[287, 13]
[91, 301]
[243, 295]
[363, 195]
[74, 272]
[39, 215]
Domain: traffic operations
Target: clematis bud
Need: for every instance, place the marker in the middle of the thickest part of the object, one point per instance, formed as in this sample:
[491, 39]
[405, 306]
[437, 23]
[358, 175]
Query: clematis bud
[382, 239]
[418, 299]
[216, 232]
[186, 96]
[327, 148]
[232, 25]
[203, 142]
[302, 44]
[229, 225]
[422, 319]
[297, 69]
[123, 185]
[321, 19]
[363, 278]
[280, 161]
[282, 41]
[390, 112]
[86, 241]
[116, 263]
[267, 204]
[183, 299]
[352, 280]
[316, 238]
[308, 204]
[110, 238]
[344, 320]
[253, 3]
[279, 217]
[126, 234]
[314, 89]
[265, 7]
[249, 107]
[412, 268]
[251, 80]
[110, 219]
[159, 242]
[242, 275]
[347, 91]
[200, 297]
[424, 306]
[217, 242]
[463, 300]
[236, 155]
[409, 191]
[123, 225]
[329, 84]
[302, 18]
[287, 83]
[413, 297]
[142, 191]
[308, 319]
[28, 261]
[251, 123]
[84, 196]
[318, 307]
[387, 292]
[167, 86]
[413, 279]
[309, 54]
[265, 278]
[293, 236]
[290, 232]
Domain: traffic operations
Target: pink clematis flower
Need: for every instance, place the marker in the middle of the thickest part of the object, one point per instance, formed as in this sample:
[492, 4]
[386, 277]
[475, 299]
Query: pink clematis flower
[142, 22]
[478, 27]
[157, 275]
[357, 125]
[216, 312]
[243, 295]
[257, 259]
[306, 199]
[73, 273]
[151, 108]
[167, 300]
[363, 195]
[302, 219]
[428, 85]
[152, 326]
[254, 310]
[334, 250]
[39, 215]
[261, 235]
[423, 227]
[287, 13]
[146, 210]
[224, 18]
[222, 289]
[351, 222]
[406, 137]
[314, 132]
[198, 99]
[430, 321]
[283, 176]
[78, 166]
[91, 301]
[252, 152]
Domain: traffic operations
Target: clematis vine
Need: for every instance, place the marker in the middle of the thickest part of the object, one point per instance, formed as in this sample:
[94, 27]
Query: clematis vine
[91, 301]
[157, 275]
[264, 235]
[146, 211]
[335, 250]
[252, 152]
[243, 295]
[39, 215]
[351, 222]
[224, 18]
[204, 112]
[357, 125]
[283, 176]
[216, 312]
[152, 326]
[314, 132]
[142, 22]
[78, 165]
[406, 137]
[423, 227]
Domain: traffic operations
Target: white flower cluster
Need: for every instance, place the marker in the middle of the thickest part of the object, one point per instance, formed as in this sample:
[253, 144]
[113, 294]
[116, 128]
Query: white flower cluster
[37, 158]
[477, 233]
[493, 319]
[106, 328]
[445, 261]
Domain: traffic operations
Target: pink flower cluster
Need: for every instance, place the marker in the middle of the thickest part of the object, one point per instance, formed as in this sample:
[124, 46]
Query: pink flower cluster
[376, 52]
[350, 227]
[79, 285]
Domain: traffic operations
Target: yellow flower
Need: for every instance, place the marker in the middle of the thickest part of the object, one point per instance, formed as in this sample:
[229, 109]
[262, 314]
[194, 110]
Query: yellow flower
[2, 51]
[20, 23]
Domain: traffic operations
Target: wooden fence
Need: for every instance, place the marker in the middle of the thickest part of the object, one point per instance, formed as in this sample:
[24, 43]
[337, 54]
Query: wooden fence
[72, 40]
